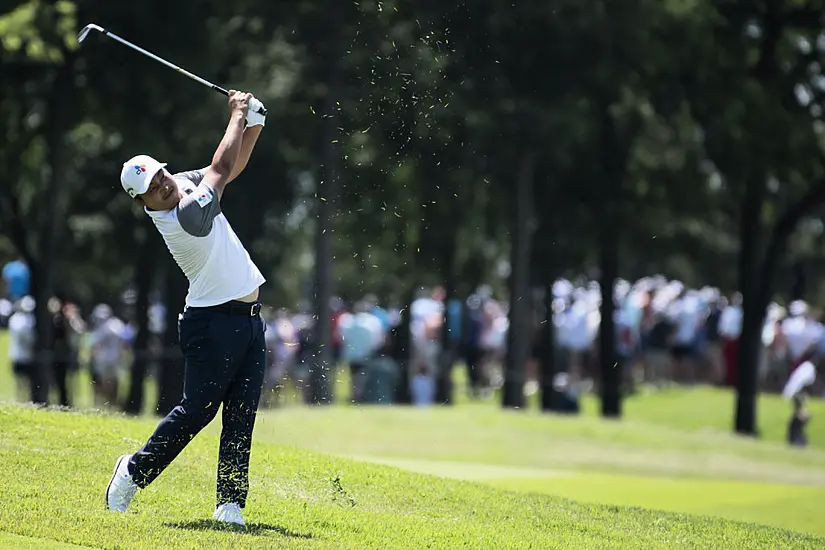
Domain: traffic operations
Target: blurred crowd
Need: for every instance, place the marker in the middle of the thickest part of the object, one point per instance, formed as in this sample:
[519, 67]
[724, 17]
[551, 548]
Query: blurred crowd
[666, 334]
[670, 334]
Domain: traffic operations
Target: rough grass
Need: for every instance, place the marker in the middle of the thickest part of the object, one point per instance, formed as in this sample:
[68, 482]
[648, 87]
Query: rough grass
[56, 465]
[672, 451]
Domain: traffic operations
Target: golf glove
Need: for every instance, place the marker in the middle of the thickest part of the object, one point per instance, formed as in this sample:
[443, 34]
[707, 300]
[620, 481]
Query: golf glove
[253, 118]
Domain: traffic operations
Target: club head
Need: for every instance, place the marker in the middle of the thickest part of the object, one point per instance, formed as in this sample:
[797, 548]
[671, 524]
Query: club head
[86, 30]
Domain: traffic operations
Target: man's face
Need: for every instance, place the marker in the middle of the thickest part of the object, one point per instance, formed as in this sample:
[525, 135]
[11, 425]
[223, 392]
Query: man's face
[163, 193]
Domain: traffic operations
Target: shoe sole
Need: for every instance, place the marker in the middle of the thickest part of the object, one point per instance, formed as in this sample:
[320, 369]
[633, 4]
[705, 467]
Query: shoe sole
[114, 473]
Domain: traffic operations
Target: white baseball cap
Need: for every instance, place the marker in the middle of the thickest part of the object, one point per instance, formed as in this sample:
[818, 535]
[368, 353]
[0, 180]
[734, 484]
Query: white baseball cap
[26, 304]
[137, 174]
[797, 308]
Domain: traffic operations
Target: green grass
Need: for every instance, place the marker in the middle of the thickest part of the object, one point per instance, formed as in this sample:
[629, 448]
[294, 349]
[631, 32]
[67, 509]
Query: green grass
[672, 451]
[80, 384]
[19, 542]
[487, 435]
[56, 466]
[586, 459]
[792, 507]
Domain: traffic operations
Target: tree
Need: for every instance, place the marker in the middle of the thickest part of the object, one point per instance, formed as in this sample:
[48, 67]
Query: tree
[39, 97]
[765, 62]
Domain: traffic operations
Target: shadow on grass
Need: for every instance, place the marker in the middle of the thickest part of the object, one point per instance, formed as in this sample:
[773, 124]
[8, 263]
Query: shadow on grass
[258, 529]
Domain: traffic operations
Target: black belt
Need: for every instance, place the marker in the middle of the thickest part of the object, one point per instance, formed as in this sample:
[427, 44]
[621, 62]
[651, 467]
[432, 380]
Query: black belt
[250, 309]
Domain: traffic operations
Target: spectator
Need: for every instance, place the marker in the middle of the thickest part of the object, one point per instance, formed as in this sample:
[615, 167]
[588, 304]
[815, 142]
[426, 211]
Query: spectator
[108, 340]
[17, 277]
[471, 344]
[282, 345]
[578, 335]
[6, 310]
[21, 345]
[657, 360]
[422, 387]
[730, 328]
[67, 324]
[567, 394]
[493, 342]
[383, 374]
[774, 368]
[802, 334]
[797, 436]
[687, 317]
[426, 349]
[337, 310]
[361, 335]
[714, 341]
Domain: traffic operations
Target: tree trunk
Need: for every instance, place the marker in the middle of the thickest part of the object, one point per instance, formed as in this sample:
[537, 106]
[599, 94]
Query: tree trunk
[759, 280]
[518, 335]
[447, 357]
[52, 219]
[402, 350]
[39, 383]
[614, 154]
[321, 366]
[322, 369]
[144, 270]
[547, 353]
[170, 383]
[752, 312]
[610, 368]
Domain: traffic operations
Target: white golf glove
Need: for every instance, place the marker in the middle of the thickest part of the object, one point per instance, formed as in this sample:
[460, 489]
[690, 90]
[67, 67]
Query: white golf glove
[254, 118]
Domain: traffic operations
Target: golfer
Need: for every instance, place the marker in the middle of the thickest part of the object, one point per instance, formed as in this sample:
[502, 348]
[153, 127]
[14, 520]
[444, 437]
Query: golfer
[221, 332]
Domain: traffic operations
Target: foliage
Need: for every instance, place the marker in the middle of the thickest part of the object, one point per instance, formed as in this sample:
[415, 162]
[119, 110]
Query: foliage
[683, 134]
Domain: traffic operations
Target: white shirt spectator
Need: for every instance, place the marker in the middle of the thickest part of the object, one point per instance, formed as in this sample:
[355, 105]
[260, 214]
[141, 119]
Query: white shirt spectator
[494, 333]
[577, 327]
[801, 334]
[107, 341]
[6, 308]
[688, 317]
[361, 335]
[730, 322]
[421, 310]
[22, 337]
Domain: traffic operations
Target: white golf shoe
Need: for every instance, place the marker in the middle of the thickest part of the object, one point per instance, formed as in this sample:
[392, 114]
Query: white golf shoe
[121, 488]
[229, 513]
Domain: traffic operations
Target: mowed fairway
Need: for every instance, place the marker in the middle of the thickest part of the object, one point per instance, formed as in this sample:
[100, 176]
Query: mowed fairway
[630, 463]
[56, 465]
[502, 478]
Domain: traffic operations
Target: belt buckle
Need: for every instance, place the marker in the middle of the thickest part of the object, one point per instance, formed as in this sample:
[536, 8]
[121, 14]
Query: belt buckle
[252, 312]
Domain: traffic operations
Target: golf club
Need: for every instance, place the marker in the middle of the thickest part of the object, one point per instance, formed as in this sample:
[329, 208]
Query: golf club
[92, 27]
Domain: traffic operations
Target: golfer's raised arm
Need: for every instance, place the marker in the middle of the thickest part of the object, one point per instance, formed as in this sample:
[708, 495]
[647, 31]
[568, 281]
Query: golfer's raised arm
[250, 138]
[218, 174]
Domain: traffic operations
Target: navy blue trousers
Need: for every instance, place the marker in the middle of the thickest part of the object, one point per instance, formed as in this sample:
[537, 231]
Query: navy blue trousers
[225, 360]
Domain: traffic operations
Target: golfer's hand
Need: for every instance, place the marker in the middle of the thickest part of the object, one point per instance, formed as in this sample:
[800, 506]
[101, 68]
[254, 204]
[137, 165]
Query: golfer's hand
[253, 117]
[239, 102]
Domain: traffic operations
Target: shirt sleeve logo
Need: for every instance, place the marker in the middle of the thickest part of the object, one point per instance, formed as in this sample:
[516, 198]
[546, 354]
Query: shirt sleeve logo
[203, 199]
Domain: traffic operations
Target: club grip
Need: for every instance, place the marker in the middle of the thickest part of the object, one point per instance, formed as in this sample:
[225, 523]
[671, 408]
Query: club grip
[261, 111]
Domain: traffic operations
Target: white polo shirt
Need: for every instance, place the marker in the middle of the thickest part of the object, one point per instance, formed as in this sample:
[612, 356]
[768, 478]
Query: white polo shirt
[204, 245]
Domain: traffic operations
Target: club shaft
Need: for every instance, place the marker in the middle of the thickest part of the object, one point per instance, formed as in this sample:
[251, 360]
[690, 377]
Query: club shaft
[181, 70]
[167, 63]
